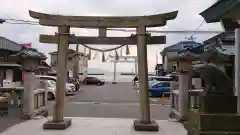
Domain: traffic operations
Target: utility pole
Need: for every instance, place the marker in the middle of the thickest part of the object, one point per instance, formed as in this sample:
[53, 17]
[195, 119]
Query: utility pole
[76, 66]
[114, 71]
[123, 61]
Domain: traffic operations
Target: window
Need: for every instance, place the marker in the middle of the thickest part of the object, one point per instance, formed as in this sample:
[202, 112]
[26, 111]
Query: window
[165, 84]
[187, 46]
[69, 58]
[150, 78]
[163, 78]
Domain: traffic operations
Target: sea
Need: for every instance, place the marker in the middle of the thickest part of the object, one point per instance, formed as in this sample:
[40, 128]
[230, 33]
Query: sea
[108, 77]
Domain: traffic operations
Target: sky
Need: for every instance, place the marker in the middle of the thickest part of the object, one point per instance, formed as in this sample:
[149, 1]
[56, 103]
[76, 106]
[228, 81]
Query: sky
[188, 19]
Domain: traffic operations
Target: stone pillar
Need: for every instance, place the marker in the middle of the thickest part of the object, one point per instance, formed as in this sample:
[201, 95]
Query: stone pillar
[58, 121]
[28, 98]
[29, 66]
[183, 97]
[145, 124]
[237, 67]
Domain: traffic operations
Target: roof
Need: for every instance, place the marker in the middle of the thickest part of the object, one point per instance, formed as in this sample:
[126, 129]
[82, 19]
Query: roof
[187, 56]
[9, 45]
[44, 63]
[223, 35]
[227, 50]
[224, 43]
[179, 46]
[219, 10]
[215, 54]
[31, 53]
[194, 50]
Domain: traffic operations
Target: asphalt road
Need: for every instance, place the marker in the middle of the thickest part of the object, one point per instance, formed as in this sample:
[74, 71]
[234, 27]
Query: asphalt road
[108, 93]
[110, 101]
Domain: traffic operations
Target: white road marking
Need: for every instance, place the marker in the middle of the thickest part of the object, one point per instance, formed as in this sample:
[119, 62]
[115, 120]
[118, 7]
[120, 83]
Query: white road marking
[154, 100]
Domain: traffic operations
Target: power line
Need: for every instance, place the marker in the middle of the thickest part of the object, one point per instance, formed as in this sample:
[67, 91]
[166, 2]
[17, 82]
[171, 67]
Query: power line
[19, 20]
[21, 23]
[198, 27]
[191, 37]
[27, 22]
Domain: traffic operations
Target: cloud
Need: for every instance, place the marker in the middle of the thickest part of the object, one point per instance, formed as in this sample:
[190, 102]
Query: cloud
[187, 19]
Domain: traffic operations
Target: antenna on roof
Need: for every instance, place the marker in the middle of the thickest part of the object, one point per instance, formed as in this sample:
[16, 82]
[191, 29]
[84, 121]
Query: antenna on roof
[191, 38]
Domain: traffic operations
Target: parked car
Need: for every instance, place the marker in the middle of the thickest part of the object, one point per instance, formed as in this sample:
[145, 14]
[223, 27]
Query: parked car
[93, 80]
[70, 88]
[160, 78]
[74, 82]
[51, 88]
[158, 88]
[152, 80]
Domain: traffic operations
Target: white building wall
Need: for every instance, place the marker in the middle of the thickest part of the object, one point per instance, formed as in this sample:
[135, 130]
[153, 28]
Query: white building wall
[167, 65]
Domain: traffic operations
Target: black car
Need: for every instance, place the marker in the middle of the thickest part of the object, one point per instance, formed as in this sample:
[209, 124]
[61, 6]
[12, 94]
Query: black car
[93, 80]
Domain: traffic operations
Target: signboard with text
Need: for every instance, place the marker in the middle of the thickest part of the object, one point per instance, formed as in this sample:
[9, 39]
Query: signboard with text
[27, 44]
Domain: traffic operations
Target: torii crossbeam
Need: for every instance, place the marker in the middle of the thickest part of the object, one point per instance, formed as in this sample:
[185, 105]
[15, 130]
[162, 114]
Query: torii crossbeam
[132, 40]
[64, 38]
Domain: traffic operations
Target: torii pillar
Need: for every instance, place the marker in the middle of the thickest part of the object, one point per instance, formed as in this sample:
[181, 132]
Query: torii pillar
[58, 121]
[143, 81]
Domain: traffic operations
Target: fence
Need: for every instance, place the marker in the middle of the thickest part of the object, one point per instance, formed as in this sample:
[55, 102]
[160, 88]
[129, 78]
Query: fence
[13, 97]
[40, 101]
[193, 101]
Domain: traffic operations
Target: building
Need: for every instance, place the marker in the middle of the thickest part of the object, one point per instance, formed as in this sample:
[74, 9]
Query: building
[174, 50]
[224, 45]
[12, 60]
[83, 63]
[159, 70]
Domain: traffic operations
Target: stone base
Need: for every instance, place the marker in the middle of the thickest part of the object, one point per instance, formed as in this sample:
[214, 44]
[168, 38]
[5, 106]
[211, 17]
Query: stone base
[114, 82]
[141, 126]
[218, 104]
[212, 124]
[57, 125]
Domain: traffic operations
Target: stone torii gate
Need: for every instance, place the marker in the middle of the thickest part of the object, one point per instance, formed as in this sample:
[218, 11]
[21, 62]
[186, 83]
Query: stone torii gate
[63, 38]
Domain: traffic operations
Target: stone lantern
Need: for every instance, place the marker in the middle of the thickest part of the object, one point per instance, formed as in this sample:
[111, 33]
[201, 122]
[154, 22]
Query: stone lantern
[30, 58]
[184, 69]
